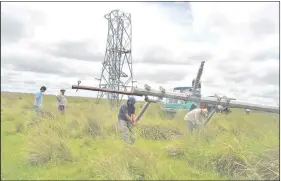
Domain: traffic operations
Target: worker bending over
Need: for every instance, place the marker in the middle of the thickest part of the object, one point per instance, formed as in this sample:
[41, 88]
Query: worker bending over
[61, 101]
[196, 118]
[126, 118]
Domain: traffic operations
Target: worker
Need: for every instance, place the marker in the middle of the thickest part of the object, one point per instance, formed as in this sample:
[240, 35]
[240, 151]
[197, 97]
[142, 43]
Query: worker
[38, 102]
[127, 118]
[196, 118]
[61, 101]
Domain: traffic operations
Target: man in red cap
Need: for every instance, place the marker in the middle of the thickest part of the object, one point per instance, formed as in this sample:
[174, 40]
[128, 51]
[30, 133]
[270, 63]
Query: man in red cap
[196, 118]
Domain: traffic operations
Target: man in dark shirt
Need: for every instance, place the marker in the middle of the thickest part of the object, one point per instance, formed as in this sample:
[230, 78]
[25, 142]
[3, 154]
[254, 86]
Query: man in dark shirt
[126, 118]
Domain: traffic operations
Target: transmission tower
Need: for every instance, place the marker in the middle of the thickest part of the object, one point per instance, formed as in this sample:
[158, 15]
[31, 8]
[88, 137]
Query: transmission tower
[117, 65]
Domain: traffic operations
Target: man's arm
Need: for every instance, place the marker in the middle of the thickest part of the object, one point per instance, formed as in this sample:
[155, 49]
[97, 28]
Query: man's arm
[203, 118]
[198, 117]
[133, 115]
[125, 111]
[129, 118]
[58, 98]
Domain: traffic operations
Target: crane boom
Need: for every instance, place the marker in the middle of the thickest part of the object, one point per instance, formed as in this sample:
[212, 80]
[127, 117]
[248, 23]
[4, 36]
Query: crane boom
[198, 77]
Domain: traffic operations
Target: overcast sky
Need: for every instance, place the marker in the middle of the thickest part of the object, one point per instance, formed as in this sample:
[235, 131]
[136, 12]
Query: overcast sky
[55, 44]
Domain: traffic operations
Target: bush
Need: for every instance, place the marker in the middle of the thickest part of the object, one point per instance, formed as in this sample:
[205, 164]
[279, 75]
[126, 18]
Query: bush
[92, 128]
[44, 148]
[157, 132]
[230, 164]
[109, 168]
[267, 165]
[175, 151]
[19, 127]
[46, 143]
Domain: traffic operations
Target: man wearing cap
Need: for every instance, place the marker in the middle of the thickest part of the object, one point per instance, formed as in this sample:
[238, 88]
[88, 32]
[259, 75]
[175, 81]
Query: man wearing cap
[126, 118]
[196, 118]
[61, 101]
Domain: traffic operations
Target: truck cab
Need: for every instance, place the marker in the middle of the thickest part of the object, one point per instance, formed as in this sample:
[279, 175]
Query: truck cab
[171, 105]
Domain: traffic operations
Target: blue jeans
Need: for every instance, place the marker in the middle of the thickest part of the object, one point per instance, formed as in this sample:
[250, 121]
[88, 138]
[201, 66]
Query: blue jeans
[122, 126]
[37, 110]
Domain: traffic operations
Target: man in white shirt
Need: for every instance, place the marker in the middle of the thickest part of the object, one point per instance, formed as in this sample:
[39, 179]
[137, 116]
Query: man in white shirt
[196, 118]
[61, 101]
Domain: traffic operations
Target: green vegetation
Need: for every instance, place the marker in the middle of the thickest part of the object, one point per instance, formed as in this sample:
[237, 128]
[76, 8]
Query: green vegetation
[85, 144]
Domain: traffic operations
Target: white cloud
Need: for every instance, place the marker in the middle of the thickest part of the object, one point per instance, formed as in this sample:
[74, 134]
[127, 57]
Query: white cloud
[238, 41]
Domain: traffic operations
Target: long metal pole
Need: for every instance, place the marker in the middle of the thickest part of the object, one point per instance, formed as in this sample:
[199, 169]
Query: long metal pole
[184, 96]
[206, 100]
[210, 115]
[142, 111]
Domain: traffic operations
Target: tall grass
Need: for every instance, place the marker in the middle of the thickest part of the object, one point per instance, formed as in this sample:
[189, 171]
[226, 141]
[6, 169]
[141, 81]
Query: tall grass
[85, 144]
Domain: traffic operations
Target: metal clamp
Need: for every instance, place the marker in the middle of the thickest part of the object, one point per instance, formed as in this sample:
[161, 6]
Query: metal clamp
[147, 87]
[162, 89]
[79, 82]
[227, 100]
[218, 98]
[146, 99]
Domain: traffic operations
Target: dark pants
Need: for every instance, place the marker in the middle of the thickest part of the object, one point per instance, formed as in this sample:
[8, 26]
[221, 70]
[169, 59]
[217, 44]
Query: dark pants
[122, 126]
[61, 108]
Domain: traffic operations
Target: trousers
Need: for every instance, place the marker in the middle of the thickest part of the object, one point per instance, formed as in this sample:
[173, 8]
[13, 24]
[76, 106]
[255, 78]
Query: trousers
[61, 108]
[191, 126]
[128, 137]
[37, 110]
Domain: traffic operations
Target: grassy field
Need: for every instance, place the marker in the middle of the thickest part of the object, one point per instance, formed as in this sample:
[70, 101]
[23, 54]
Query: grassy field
[84, 144]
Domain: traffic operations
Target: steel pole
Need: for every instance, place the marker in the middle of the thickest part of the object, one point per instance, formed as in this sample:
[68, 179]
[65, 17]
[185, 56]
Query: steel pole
[184, 96]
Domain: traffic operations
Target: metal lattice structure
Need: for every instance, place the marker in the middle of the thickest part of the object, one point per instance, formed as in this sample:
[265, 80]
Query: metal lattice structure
[196, 84]
[117, 72]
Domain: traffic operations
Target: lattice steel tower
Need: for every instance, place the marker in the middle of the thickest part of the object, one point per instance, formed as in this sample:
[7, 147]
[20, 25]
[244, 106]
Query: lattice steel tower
[117, 65]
